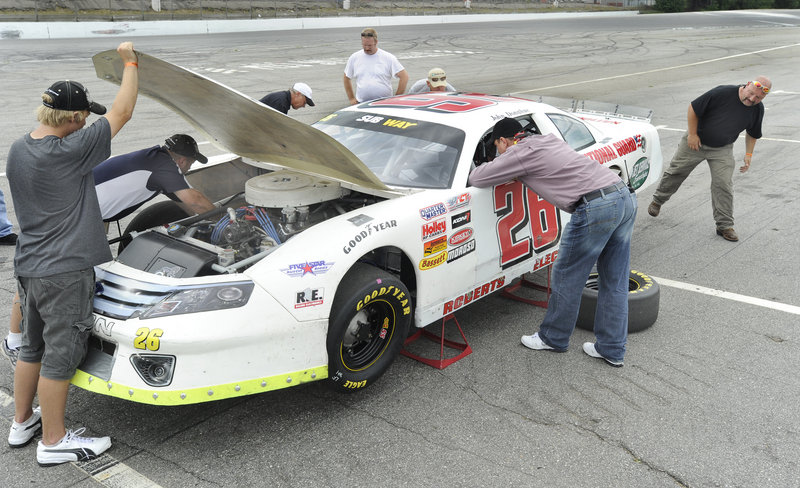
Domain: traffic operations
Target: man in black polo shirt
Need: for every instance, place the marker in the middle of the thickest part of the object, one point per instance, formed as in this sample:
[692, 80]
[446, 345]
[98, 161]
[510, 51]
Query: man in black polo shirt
[125, 182]
[298, 96]
[716, 118]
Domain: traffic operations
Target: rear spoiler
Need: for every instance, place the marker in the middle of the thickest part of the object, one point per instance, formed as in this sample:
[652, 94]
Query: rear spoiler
[603, 109]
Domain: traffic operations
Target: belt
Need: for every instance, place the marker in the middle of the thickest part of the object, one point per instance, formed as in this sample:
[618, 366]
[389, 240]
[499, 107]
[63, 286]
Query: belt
[602, 192]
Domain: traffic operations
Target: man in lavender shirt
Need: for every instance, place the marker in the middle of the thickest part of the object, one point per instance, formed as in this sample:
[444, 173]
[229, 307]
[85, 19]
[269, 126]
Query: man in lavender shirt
[603, 210]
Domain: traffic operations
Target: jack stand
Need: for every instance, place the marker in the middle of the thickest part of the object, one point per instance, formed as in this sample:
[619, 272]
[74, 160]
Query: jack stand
[508, 291]
[440, 363]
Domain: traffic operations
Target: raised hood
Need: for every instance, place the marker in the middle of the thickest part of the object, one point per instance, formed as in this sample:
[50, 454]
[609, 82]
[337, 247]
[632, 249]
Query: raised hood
[236, 123]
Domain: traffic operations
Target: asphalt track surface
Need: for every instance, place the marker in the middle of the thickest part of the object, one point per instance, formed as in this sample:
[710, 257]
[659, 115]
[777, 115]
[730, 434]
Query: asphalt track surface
[708, 396]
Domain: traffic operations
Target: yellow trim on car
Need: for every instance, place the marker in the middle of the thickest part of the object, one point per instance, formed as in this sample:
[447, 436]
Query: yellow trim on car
[197, 395]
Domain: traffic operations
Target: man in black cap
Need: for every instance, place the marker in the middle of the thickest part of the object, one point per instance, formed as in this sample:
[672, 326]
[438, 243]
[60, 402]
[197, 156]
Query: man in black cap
[125, 182]
[61, 239]
[603, 211]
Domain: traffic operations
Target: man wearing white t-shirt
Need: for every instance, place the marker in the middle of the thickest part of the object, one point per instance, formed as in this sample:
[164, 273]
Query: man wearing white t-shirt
[373, 70]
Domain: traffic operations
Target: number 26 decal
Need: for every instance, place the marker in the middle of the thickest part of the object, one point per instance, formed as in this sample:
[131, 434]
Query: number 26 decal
[148, 339]
[526, 223]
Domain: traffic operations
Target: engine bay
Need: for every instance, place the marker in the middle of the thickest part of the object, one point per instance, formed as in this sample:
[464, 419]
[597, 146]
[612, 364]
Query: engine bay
[274, 207]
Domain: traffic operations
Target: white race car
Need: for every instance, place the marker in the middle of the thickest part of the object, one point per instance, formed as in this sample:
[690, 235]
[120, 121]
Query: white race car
[330, 240]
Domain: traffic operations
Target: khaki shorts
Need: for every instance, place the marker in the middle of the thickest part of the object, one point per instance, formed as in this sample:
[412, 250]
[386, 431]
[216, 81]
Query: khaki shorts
[56, 321]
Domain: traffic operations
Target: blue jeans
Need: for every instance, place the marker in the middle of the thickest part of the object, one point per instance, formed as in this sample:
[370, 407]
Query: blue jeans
[598, 232]
[5, 225]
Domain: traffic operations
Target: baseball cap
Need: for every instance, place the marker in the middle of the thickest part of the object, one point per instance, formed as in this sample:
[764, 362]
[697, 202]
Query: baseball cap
[305, 90]
[440, 76]
[185, 146]
[506, 127]
[71, 95]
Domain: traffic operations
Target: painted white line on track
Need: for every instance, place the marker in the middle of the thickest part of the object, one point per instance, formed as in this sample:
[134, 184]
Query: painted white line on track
[783, 307]
[105, 469]
[774, 139]
[680, 66]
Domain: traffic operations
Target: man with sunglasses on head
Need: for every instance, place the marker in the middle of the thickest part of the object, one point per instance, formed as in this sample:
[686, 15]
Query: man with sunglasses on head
[603, 211]
[716, 118]
[436, 81]
[61, 239]
[373, 69]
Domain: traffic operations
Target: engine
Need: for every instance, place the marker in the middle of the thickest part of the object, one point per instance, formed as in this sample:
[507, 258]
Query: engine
[276, 207]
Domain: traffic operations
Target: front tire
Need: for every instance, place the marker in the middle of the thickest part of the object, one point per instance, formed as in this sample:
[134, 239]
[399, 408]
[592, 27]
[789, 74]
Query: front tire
[643, 301]
[369, 322]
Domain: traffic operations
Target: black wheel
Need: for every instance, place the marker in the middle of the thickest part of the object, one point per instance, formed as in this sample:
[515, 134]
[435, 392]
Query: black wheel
[369, 322]
[160, 213]
[643, 298]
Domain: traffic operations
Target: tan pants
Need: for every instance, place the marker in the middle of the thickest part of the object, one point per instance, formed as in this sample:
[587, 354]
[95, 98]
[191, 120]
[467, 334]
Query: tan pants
[720, 162]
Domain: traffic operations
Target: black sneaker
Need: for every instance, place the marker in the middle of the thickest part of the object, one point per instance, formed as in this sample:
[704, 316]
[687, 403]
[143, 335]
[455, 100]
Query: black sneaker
[8, 240]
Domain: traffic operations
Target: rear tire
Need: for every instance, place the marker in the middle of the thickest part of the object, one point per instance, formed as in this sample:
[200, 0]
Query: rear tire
[368, 325]
[643, 301]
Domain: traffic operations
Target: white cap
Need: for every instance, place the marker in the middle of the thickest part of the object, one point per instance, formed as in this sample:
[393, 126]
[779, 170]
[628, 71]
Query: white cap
[305, 90]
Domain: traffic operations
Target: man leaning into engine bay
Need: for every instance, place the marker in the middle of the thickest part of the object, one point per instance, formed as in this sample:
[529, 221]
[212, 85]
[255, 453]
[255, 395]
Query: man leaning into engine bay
[125, 182]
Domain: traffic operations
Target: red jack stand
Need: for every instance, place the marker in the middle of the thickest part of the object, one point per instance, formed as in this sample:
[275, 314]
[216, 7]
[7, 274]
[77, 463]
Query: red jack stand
[440, 363]
[508, 291]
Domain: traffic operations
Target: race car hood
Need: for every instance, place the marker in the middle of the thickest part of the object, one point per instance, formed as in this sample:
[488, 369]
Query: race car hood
[236, 123]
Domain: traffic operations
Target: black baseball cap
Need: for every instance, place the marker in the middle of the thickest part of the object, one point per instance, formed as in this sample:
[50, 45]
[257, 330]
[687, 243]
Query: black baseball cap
[185, 146]
[506, 127]
[71, 95]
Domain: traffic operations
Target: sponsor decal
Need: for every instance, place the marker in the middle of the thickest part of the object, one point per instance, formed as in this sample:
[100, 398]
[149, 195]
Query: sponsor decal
[545, 261]
[359, 219]
[313, 267]
[384, 328]
[102, 326]
[460, 251]
[460, 236]
[434, 261]
[639, 172]
[602, 155]
[396, 123]
[458, 201]
[367, 231]
[434, 229]
[309, 297]
[386, 290]
[463, 218]
[641, 142]
[482, 290]
[434, 246]
[433, 211]
[625, 146]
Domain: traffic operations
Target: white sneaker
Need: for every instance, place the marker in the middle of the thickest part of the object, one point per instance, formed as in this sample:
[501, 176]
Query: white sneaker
[12, 353]
[21, 434]
[535, 342]
[72, 448]
[588, 348]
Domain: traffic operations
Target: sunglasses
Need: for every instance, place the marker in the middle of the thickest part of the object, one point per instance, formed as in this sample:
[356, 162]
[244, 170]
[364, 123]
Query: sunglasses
[442, 78]
[367, 34]
[758, 84]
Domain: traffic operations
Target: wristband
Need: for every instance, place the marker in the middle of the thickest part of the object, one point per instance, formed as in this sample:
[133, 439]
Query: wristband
[131, 63]
[748, 154]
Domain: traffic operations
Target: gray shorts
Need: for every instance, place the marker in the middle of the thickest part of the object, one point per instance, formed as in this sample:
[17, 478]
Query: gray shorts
[56, 321]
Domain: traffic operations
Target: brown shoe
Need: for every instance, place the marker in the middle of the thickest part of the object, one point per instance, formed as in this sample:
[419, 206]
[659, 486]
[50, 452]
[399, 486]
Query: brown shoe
[654, 209]
[728, 234]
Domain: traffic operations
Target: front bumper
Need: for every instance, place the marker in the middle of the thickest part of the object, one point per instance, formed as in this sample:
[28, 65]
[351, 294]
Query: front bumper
[251, 348]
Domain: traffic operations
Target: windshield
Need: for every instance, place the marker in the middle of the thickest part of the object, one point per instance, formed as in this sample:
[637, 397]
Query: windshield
[401, 152]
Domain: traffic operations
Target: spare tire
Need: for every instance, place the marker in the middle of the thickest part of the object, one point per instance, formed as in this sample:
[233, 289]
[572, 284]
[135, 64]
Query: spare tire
[643, 300]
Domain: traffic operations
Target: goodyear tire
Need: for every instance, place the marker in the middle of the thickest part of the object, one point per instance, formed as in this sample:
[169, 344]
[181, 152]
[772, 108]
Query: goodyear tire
[643, 298]
[369, 322]
[160, 213]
